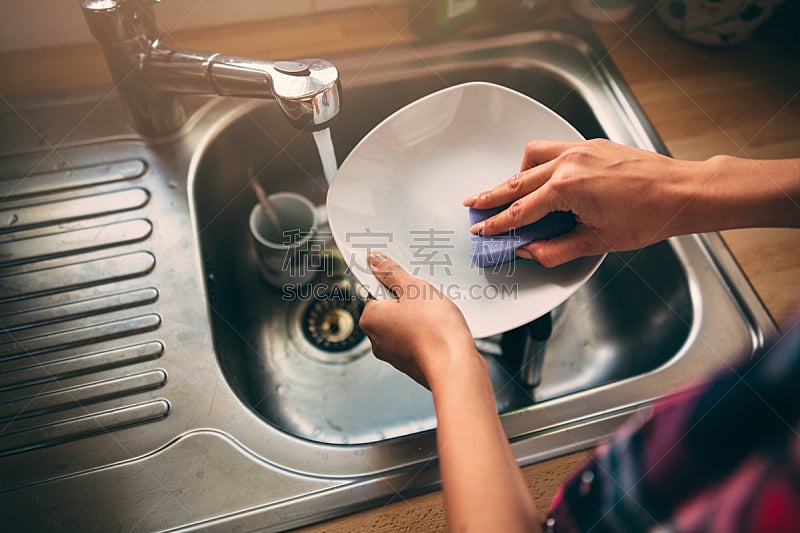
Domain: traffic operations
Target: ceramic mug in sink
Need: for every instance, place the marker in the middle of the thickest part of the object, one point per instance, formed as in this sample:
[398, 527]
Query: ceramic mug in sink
[293, 252]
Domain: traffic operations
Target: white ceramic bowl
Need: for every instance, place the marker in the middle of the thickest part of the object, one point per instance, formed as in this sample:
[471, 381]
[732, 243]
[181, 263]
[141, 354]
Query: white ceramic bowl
[401, 189]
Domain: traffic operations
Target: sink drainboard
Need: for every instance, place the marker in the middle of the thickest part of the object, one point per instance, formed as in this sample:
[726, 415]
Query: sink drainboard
[72, 324]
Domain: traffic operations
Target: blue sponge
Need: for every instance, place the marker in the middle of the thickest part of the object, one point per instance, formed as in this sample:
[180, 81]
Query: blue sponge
[497, 249]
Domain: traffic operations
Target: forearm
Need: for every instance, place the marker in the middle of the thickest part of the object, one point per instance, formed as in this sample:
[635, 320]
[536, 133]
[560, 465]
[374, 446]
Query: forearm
[730, 192]
[430, 341]
[483, 487]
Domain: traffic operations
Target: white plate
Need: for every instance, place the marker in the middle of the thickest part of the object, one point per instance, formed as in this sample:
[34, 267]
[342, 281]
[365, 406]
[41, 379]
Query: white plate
[401, 189]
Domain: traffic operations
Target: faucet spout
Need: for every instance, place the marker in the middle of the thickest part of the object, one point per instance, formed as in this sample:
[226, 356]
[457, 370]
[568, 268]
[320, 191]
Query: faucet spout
[151, 77]
[308, 91]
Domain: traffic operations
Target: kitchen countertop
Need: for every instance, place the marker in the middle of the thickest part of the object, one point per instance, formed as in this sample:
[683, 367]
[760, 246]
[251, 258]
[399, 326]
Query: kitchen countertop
[702, 101]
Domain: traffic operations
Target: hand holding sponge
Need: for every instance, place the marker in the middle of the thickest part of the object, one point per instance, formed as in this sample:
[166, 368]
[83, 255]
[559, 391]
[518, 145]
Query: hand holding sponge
[496, 249]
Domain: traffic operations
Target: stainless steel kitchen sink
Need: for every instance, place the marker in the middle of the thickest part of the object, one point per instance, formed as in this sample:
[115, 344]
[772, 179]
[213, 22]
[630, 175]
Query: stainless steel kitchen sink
[264, 336]
[149, 378]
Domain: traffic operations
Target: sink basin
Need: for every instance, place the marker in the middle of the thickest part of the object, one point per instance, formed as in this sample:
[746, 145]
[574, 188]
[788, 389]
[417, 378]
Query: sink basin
[150, 379]
[339, 394]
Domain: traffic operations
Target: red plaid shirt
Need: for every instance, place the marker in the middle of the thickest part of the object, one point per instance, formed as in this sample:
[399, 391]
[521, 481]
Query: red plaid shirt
[721, 457]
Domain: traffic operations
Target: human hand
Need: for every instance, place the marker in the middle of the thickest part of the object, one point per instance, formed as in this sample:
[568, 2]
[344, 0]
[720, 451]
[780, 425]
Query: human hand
[422, 333]
[623, 198]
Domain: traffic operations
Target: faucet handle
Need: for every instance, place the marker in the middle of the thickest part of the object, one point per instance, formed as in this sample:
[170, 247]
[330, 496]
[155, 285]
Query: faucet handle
[120, 20]
[308, 91]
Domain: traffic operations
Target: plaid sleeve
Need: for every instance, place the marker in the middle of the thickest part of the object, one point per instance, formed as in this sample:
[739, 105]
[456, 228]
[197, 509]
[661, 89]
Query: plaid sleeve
[732, 443]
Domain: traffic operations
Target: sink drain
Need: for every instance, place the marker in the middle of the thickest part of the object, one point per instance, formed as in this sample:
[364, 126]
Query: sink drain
[331, 323]
[324, 325]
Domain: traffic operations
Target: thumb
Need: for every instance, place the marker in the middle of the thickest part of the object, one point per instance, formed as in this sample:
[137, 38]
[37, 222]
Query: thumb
[392, 275]
[580, 242]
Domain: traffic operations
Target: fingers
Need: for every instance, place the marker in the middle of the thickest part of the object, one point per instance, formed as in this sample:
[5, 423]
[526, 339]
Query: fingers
[526, 210]
[534, 172]
[550, 253]
[390, 273]
[517, 186]
[539, 151]
[531, 198]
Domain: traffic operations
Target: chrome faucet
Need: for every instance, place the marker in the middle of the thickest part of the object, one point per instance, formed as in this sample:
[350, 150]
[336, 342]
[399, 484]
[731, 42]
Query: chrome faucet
[151, 77]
